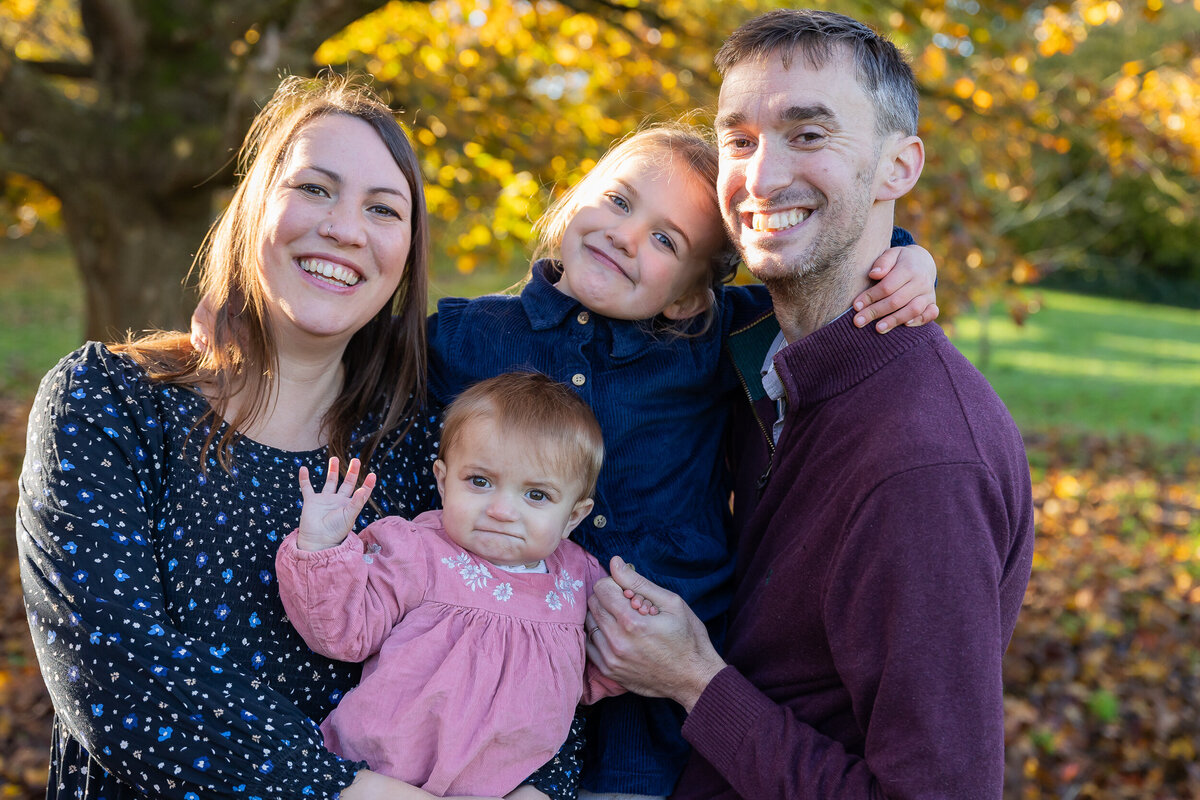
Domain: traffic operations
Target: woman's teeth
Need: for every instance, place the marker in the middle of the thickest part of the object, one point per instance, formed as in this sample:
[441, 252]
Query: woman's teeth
[334, 272]
[779, 220]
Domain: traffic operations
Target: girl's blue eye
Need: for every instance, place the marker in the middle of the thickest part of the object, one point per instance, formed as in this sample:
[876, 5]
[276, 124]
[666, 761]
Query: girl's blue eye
[619, 202]
[665, 241]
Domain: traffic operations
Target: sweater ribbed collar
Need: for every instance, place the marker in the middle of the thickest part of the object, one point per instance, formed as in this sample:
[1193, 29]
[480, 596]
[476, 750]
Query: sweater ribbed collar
[839, 355]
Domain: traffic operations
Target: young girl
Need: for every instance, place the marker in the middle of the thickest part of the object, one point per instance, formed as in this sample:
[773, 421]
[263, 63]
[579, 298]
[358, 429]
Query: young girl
[630, 307]
[470, 618]
[632, 311]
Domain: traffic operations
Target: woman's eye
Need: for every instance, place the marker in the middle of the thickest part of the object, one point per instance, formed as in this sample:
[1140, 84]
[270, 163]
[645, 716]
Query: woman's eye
[384, 211]
[665, 241]
[536, 495]
[313, 189]
[478, 481]
[619, 201]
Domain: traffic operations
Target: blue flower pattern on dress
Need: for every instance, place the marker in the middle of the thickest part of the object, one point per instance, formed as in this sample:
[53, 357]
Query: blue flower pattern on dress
[173, 669]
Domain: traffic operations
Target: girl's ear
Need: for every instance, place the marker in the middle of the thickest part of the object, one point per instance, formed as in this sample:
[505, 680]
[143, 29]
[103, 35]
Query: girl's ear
[439, 472]
[582, 509]
[689, 304]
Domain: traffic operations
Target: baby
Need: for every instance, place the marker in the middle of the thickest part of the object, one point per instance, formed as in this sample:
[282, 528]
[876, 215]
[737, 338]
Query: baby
[470, 619]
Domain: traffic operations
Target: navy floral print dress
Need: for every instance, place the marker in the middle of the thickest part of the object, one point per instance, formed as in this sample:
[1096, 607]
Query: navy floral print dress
[150, 587]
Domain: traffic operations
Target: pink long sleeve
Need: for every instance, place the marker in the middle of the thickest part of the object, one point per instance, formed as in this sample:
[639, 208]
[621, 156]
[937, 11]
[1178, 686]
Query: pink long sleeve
[345, 600]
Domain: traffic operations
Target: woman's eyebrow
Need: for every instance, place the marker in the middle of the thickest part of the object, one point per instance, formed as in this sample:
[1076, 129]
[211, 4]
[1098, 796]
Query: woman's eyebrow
[333, 176]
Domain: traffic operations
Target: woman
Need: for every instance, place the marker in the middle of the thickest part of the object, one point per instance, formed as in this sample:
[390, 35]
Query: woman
[158, 481]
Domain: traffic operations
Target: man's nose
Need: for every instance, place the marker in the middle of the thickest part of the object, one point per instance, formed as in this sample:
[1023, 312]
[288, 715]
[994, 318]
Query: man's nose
[767, 171]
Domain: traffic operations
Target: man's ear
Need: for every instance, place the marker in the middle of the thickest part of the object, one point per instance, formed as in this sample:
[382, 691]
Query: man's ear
[439, 472]
[689, 304]
[902, 162]
[582, 509]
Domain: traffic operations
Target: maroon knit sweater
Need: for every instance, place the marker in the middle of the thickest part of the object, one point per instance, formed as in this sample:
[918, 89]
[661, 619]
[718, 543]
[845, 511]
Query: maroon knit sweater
[879, 578]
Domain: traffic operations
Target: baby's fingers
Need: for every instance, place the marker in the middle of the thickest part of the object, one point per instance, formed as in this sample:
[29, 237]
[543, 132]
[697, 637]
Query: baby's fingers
[362, 493]
[331, 475]
[351, 480]
[306, 490]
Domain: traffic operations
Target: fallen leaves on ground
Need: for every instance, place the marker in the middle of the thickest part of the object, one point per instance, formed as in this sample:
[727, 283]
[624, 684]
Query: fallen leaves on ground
[1102, 680]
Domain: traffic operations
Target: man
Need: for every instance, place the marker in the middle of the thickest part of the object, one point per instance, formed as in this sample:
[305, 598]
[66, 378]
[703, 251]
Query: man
[883, 502]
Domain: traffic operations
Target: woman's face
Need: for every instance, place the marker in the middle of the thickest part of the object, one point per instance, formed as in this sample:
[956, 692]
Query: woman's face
[336, 232]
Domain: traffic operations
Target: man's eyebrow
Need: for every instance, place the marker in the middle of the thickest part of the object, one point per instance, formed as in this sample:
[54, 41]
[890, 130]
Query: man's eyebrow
[818, 112]
[729, 120]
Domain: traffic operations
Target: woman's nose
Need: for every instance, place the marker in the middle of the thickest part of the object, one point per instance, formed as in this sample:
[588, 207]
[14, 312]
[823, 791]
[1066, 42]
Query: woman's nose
[344, 225]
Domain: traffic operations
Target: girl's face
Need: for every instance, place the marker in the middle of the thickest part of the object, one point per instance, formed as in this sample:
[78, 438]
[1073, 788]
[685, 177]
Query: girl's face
[337, 231]
[641, 242]
[501, 500]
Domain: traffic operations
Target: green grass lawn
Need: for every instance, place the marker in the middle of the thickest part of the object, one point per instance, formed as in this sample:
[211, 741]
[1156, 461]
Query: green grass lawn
[1080, 364]
[1096, 365]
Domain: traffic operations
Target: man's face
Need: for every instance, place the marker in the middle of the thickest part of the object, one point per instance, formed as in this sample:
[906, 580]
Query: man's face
[799, 164]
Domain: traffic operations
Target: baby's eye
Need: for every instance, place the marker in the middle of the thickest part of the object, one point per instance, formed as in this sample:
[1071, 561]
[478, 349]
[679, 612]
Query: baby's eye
[536, 495]
[479, 482]
[618, 201]
[665, 241]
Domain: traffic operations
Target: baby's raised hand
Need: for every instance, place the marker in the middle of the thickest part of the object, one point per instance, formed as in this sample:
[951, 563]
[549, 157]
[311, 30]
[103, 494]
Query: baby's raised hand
[328, 515]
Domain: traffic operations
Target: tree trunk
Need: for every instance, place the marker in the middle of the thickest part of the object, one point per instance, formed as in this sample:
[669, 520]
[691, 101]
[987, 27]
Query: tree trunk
[133, 254]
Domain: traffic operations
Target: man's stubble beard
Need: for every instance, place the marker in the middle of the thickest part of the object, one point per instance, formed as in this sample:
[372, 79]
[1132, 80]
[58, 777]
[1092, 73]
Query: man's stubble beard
[820, 286]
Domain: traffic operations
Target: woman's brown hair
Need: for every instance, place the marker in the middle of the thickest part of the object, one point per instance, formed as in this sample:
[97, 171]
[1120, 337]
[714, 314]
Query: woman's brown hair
[385, 361]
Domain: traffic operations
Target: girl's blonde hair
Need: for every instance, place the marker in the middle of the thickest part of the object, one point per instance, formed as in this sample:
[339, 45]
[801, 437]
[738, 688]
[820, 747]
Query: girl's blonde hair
[660, 145]
[385, 360]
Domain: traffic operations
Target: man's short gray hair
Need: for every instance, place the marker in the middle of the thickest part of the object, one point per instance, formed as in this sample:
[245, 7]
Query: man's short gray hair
[882, 69]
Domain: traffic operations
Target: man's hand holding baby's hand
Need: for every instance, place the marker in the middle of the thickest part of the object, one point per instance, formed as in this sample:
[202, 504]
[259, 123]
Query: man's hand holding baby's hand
[328, 515]
[638, 602]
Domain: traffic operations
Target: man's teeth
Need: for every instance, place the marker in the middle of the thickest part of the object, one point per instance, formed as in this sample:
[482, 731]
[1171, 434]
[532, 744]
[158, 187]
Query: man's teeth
[779, 220]
[335, 271]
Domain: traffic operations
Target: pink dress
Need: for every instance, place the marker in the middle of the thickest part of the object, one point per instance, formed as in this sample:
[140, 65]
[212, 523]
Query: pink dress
[472, 673]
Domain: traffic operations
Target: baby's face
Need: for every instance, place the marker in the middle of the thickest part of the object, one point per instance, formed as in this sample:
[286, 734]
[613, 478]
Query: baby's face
[641, 241]
[501, 500]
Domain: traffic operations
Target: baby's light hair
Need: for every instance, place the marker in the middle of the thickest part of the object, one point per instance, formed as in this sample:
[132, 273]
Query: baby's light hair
[662, 145]
[560, 427]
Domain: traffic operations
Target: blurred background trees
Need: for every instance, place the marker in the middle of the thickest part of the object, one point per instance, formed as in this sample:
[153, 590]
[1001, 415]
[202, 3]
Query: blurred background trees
[1063, 138]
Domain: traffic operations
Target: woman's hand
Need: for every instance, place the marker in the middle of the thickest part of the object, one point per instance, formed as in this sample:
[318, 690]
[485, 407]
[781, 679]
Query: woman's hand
[904, 290]
[370, 785]
[202, 324]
